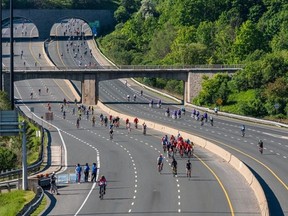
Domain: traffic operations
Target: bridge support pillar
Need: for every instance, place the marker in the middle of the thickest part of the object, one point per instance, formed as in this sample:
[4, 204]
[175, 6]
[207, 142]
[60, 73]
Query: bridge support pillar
[193, 85]
[90, 92]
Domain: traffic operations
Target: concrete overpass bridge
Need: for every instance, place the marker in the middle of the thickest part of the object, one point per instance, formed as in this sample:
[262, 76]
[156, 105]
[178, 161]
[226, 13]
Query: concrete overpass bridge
[90, 77]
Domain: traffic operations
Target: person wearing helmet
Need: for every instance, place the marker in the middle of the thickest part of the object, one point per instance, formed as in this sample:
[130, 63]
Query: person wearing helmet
[102, 183]
[260, 143]
[160, 161]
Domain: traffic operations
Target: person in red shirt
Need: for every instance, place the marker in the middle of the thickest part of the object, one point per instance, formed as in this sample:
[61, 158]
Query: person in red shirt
[136, 122]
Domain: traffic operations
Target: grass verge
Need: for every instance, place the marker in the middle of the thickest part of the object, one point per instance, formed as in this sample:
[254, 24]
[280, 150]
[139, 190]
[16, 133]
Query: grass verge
[41, 207]
[14, 201]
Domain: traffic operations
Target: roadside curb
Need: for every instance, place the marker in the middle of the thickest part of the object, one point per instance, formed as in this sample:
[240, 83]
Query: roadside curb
[227, 156]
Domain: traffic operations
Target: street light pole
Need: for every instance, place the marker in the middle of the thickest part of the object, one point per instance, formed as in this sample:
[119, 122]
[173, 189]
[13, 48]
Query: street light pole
[1, 87]
[11, 57]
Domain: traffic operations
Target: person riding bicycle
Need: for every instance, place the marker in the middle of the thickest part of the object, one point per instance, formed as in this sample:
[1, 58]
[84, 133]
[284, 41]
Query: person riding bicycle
[183, 110]
[188, 168]
[78, 122]
[105, 121]
[128, 97]
[151, 103]
[93, 121]
[134, 97]
[126, 122]
[102, 183]
[141, 92]
[160, 161]
[159, 103]
[144, 126]
[64, 114]
[174, 165]
[260, 143]
[111, 131]
[211, 120]
[53, 183]
[136, 122]
[243, 130]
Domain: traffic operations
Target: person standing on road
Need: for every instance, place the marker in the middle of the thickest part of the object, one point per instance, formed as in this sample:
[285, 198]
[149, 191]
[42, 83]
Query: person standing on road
[94, 172]
[86, 172]
[78, 171]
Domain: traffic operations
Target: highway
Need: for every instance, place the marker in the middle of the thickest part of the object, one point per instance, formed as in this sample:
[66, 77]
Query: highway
[129, 160]
[270, 168]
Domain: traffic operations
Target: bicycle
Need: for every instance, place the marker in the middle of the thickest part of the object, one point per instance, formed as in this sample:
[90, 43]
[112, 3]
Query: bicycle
[174, 170]
[101, 192]
[188, 172]
[160, 167]
[111, 134]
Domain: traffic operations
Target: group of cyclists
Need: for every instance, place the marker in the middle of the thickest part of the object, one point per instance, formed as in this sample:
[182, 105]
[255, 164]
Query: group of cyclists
[172, 146]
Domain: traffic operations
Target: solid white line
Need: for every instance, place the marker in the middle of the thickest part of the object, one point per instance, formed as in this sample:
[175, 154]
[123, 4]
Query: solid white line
[93, 186]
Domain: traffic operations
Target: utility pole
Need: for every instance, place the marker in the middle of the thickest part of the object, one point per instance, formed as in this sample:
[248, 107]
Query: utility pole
[1, 87]
[11, 57]
[24, 158]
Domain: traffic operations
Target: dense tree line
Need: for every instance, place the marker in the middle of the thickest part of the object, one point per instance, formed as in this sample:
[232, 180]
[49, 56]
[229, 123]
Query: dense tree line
[186, 32]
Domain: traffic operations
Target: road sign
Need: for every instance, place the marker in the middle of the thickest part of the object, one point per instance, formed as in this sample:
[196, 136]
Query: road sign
[277, 105]
[9, 125]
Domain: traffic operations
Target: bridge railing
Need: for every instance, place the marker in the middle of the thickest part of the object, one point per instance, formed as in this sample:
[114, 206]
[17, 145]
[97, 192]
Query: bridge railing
[128, 67]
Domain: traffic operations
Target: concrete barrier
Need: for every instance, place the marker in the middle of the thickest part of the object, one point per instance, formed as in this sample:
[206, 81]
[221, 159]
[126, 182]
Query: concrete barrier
[201, 142]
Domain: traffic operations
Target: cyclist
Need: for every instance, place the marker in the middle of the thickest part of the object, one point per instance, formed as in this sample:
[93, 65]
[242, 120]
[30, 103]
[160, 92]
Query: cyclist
[93, 121]
[64, 114]
[105, 121]
[126, 122]
[78, 122]
[141, 92]
[243, 130]
[211, 120]
[102, 183]
[151, 103]
[53, 187]
[101, 119]
[183, 110]
[159, 103]
[39, 91]
[31, 95]
[188, 168]
[160, 161]
[134, 97]
[111, 131]
[167, 113]
[202, 120]
[174, 166]
[260, 143]
[136, 122]
[144, 128]
[62, 107]
[128, 97]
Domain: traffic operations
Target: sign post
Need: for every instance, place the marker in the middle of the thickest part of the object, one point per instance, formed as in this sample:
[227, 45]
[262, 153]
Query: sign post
[9, 126]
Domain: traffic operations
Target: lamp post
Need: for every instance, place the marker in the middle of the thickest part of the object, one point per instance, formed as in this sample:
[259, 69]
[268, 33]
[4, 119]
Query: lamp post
[1, 87]
[11, 57]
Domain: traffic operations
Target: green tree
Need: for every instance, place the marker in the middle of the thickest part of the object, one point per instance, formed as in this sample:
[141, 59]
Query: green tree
[248, 40]
[8, 159]
[121, 14]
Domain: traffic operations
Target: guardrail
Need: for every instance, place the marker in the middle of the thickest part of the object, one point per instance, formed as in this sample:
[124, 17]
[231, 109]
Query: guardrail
[130, 67]
[227, 156]
[17, 173]
[35, 202]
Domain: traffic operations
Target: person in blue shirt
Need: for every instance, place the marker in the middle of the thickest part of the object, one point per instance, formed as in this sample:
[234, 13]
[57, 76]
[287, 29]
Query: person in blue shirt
[86, 172]
[78, 171]
[94, 172]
